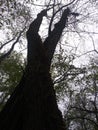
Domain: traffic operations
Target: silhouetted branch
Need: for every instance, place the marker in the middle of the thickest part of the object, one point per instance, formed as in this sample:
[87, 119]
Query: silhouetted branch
[87, 53]
[8, 42]
[52, 40]
[54, 13]
[64, 6]
[66, 74]
[86, 110]
[51, 21]
[83, 118]
[3, 56]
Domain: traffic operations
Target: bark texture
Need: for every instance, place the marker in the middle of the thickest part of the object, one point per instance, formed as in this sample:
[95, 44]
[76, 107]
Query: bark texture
[33, 105]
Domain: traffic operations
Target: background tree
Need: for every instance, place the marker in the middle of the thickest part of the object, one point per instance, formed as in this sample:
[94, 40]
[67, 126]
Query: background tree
[81, 107]
[11, 71]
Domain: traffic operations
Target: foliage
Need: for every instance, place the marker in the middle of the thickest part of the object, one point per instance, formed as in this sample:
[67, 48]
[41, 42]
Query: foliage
[82, 110]
[10, 73]
[77, 91]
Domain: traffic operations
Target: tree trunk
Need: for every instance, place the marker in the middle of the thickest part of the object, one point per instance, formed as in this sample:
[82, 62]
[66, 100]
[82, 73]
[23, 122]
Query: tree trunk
[33, 105]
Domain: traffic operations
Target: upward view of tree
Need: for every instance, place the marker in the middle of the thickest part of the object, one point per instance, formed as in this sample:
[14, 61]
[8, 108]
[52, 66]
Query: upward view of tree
[33, 104]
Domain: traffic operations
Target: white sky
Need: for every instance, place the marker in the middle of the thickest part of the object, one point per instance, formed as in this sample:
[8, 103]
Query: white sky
[81, 43]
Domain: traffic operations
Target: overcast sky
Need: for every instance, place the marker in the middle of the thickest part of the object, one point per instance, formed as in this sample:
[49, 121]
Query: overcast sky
[72, 42]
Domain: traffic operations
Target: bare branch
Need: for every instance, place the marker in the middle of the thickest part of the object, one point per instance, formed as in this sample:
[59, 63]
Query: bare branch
[8, 42]
[83, 118]
[86, 110]
[68, 73]
[52, 40]
[87, 53]
[54, 13]
[51, 21]
[64, 6]
[3, 56]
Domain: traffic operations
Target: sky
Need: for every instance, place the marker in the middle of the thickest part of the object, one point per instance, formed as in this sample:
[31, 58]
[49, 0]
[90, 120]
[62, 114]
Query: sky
[72, 42]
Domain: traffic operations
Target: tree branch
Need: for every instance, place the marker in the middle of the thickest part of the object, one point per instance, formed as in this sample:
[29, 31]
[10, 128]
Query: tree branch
[86, 110]
[8, 42]
[51, 21]
[52, 40]
[54, 13]
[83, 118]
[3, 56]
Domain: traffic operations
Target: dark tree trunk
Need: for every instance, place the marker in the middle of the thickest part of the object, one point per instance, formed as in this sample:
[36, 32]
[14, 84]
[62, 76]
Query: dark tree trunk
[33, 106]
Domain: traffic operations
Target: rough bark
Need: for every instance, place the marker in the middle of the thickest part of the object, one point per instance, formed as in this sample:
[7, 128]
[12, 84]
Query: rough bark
[33, 105]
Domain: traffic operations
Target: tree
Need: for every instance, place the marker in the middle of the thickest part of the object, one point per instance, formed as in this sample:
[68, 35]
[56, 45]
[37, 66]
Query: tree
[33, 103]
[14, 17]
[81, 112]
[34, 98]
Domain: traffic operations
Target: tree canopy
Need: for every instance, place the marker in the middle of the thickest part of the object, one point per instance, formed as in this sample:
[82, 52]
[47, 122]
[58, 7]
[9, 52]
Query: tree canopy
[11, 71]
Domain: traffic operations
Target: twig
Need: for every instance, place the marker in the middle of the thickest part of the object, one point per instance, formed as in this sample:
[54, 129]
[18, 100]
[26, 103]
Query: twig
[54, 13]
[8, 42]
[2, 57]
